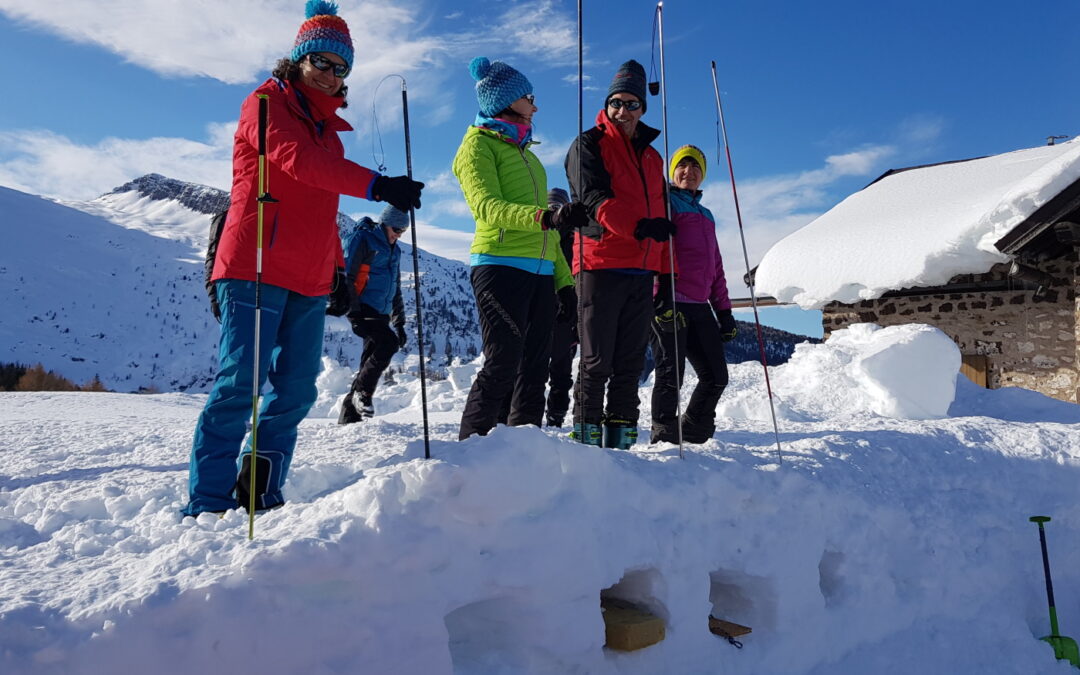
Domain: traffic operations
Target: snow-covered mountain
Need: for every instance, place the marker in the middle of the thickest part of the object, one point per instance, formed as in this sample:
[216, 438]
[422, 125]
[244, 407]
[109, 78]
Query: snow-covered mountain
[113, 287]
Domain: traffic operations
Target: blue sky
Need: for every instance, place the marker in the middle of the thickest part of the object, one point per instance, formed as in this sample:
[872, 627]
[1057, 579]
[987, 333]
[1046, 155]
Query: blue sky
[820, 98]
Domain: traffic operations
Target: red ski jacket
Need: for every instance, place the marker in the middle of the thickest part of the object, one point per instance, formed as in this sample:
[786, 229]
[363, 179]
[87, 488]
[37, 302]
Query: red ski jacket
[306, 173]
[621, 181]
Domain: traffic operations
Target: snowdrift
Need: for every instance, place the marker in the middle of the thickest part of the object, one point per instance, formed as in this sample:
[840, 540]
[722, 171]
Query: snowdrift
[893, 537]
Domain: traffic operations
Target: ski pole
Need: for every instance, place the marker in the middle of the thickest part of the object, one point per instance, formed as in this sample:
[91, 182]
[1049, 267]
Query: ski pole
[416, 272]
[671, 240]
[579, 389]
[746, 259]
[263, 199]
[1065, 648]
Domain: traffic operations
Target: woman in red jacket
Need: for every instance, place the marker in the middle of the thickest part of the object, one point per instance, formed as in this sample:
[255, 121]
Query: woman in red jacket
[301, 263]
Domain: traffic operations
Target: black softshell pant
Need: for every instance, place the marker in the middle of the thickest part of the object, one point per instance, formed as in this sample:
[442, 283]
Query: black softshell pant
[560, 371]
[616, 310]
[380, 344]
[517, 310]
[700, 343]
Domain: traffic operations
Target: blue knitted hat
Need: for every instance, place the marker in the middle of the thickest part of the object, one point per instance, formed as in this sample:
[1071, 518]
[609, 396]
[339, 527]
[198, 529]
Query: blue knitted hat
[324, 31]
[497, 85]
[394, 219]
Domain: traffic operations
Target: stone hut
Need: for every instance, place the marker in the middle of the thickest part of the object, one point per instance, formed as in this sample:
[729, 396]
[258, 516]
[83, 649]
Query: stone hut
[1016, 318]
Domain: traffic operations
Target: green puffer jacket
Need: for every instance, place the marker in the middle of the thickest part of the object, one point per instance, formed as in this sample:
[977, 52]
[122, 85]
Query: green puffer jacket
[506, 189]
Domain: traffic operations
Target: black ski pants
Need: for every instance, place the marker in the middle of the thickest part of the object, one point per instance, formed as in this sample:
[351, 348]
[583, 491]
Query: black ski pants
[616, 310]
[700, 343]
[380, 344]
[560, 370]
[517, 310]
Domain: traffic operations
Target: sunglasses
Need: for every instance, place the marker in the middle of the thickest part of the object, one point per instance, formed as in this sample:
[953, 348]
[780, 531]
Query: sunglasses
[322, 63]
[531, 98]
[399, 230]
[617, 103]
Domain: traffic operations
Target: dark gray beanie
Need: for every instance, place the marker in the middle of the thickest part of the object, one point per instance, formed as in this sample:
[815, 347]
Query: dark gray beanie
[630, 79]
[394, 219]
[557, 197]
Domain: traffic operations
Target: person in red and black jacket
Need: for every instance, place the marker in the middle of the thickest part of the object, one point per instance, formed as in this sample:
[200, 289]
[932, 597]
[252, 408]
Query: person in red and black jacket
[302, 265]
[618, 175]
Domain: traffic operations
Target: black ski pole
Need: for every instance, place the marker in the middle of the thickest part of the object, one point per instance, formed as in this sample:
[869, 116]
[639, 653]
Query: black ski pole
[416, 273]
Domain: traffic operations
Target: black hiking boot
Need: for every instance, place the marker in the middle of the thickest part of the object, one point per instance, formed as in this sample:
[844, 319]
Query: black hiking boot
[349, 414]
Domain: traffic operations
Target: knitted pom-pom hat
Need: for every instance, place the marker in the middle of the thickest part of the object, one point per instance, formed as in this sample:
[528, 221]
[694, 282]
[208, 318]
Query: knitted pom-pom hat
[324, 31]
[497, 85]
[691, 151]
[394, 218]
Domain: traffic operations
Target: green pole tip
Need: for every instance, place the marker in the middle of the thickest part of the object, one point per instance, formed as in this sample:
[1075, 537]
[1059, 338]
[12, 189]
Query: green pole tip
[1039, 519]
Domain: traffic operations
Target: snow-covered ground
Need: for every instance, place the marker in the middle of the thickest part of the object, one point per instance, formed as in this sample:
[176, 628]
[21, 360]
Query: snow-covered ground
[892, 538]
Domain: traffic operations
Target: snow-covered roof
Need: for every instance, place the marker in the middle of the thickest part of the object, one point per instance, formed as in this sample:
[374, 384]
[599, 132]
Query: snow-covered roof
[917, 227]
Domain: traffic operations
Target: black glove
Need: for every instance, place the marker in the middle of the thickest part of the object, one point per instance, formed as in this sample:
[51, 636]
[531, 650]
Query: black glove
[341, 296]
[402, 336]
[401, 192]
[728, 328]
[657, 229]
[566, 218]
[567, 305]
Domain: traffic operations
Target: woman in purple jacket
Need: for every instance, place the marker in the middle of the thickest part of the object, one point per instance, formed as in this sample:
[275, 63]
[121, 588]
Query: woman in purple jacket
[699, 316]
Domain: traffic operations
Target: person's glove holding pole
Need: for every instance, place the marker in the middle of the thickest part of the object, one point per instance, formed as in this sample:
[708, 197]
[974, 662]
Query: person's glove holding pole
[565, 218]
[657, 229]
[667, 317]
[400, 191]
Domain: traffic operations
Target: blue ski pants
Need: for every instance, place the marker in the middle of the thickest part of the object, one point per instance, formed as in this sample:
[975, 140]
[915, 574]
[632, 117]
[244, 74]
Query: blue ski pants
[290, 350]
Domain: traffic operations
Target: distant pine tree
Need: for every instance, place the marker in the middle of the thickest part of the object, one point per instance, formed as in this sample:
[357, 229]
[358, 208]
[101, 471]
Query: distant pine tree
[10, 374]
[37, 378]
[94, 385]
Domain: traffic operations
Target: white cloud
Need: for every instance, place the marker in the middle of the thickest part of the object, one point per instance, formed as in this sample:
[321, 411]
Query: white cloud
[775, 206]
[41, 162]
[235, 42]
[538, 29]
[453, 244]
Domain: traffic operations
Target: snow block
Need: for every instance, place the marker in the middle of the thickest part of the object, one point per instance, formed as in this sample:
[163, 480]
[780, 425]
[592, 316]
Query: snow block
[628, 628]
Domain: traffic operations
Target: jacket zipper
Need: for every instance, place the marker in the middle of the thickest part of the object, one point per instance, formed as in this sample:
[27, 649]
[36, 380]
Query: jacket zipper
[536, 197]
[648, 208]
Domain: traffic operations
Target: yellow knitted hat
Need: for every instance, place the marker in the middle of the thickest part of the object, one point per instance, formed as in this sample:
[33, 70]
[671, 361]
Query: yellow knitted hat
[682, 153]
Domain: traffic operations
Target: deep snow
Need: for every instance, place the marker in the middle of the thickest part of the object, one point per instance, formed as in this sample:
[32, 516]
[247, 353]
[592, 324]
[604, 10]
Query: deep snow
[893, 538]
[918, 227]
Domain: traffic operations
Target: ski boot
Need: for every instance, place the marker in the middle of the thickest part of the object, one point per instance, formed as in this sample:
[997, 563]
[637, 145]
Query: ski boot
[349, 414]
[365, 407]
[619, 434]
[587, 433]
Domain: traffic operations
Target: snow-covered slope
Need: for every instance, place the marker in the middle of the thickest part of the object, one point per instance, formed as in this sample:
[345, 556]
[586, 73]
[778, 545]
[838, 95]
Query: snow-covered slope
[918, 227]
[114, 287]
[882, 544]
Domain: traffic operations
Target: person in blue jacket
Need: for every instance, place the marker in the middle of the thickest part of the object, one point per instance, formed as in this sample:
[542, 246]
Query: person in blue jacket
[372, 270]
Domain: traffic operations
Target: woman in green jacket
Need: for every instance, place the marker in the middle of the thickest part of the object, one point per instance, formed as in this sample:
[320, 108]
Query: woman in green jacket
[517, 263]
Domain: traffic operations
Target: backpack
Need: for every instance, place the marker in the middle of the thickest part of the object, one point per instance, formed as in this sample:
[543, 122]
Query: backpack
[217, 224]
